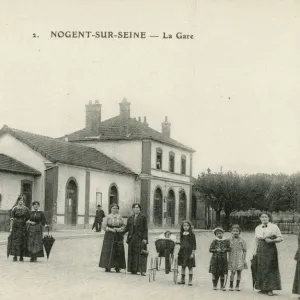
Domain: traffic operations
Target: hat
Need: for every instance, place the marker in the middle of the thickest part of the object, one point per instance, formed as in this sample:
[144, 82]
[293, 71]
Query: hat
[218, 229]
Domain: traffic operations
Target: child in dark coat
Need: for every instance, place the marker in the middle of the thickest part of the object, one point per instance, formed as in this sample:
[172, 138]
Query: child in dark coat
[219, 263]
[186, 254]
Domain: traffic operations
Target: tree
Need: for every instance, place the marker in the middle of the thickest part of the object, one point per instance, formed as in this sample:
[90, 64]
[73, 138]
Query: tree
[223, 191]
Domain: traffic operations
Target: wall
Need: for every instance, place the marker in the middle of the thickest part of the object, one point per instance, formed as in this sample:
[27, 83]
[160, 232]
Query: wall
[165, 162]
[128, 190]
[64, 174]
[51, 186]
[100, 182]
[128, 153]
[10, 188]
[165, 186]
[21, 152]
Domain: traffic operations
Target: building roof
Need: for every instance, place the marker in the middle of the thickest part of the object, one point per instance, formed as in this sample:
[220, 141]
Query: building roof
[58, 151]
[9, 164]
[119, 128]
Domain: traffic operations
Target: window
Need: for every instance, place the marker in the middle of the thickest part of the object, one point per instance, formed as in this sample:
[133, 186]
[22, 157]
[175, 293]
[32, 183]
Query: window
[171, 161]
[183, 164]
[158, 159]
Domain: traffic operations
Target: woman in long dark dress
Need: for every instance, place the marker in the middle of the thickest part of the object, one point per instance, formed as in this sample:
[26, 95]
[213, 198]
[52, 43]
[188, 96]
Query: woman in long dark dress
[19, 216]
[112, 253]
[137, 240]
[35, 225]
[296, 285]
[267, 275]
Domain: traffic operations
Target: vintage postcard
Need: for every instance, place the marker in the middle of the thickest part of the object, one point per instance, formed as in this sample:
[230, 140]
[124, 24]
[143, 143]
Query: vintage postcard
[149, 149]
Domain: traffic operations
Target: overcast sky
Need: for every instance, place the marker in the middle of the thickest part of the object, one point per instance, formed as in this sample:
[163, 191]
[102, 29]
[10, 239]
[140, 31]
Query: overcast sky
[232, 93]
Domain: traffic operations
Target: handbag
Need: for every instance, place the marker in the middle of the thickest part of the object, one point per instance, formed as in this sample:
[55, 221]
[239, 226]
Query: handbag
[144, 252]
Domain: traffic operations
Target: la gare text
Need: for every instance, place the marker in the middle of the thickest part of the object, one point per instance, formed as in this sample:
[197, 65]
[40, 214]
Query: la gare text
[117, 35]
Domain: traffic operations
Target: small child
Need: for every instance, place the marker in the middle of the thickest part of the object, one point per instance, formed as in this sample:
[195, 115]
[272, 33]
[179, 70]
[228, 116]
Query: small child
[168, 236]
[218, 263]
[186, 254]
[237, 256]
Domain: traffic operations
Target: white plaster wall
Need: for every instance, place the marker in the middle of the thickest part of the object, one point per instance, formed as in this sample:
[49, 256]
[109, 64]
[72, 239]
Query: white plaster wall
[65, 172]
[10, 188]
[165, 186]
[21, 152]
[100, 182]
[128, 190]
[80, 220]
[60, 220]
[128, 153]
[165, 162]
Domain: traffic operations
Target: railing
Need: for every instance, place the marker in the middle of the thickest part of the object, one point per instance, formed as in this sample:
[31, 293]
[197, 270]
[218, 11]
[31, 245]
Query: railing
[293, 228]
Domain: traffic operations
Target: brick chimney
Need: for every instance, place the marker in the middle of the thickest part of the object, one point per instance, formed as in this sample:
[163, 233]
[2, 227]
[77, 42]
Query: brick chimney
[145, 122]
[93, 117]
[166, 128]
[125, 109]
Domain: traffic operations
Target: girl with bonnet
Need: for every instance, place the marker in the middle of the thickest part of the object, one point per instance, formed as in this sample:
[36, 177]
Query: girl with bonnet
[218, 263]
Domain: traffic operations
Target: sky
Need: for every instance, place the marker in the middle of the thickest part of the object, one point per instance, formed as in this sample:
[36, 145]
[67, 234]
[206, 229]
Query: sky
[231, 93]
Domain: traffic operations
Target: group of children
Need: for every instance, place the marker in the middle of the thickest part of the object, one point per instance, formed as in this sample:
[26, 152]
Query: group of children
[227, 255]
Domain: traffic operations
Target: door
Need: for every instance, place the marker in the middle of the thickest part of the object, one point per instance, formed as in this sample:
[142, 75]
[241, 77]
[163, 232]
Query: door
[182, 206]
[26, 190]
[71, 203]
[157, 207]
[171, 208]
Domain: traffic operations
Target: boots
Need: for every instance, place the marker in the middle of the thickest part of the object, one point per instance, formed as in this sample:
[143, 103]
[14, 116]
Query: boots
[231, 286]
[182, 281]
[237, 287]
[190, 279]
[215, 283]
[222, 284]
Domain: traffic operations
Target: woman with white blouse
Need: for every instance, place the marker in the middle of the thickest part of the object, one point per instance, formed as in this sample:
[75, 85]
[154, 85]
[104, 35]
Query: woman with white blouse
[267, 275]
[112, 254]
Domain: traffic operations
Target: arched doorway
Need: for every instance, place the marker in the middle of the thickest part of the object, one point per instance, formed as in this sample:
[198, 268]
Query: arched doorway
[113, 195]
[71, 202]
[182, 206]
[157, 207]
[171, 208]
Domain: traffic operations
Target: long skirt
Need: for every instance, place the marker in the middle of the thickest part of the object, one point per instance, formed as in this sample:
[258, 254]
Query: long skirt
[35, 240]
[267, 269]
[137, 262]
[296, 285]
[19, 238]
[218, 264]
[112, 253]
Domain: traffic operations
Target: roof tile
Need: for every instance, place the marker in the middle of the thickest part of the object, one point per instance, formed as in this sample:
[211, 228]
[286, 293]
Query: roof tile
[58, 151]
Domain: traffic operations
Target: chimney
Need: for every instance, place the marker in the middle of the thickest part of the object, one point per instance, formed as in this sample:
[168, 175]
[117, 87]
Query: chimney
[166, 128]
[93, 117]
[140, 119]
[125, 109]
[145, 121]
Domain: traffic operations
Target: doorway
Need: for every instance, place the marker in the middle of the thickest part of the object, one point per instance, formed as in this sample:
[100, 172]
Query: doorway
[157, 207]
[71, 203]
